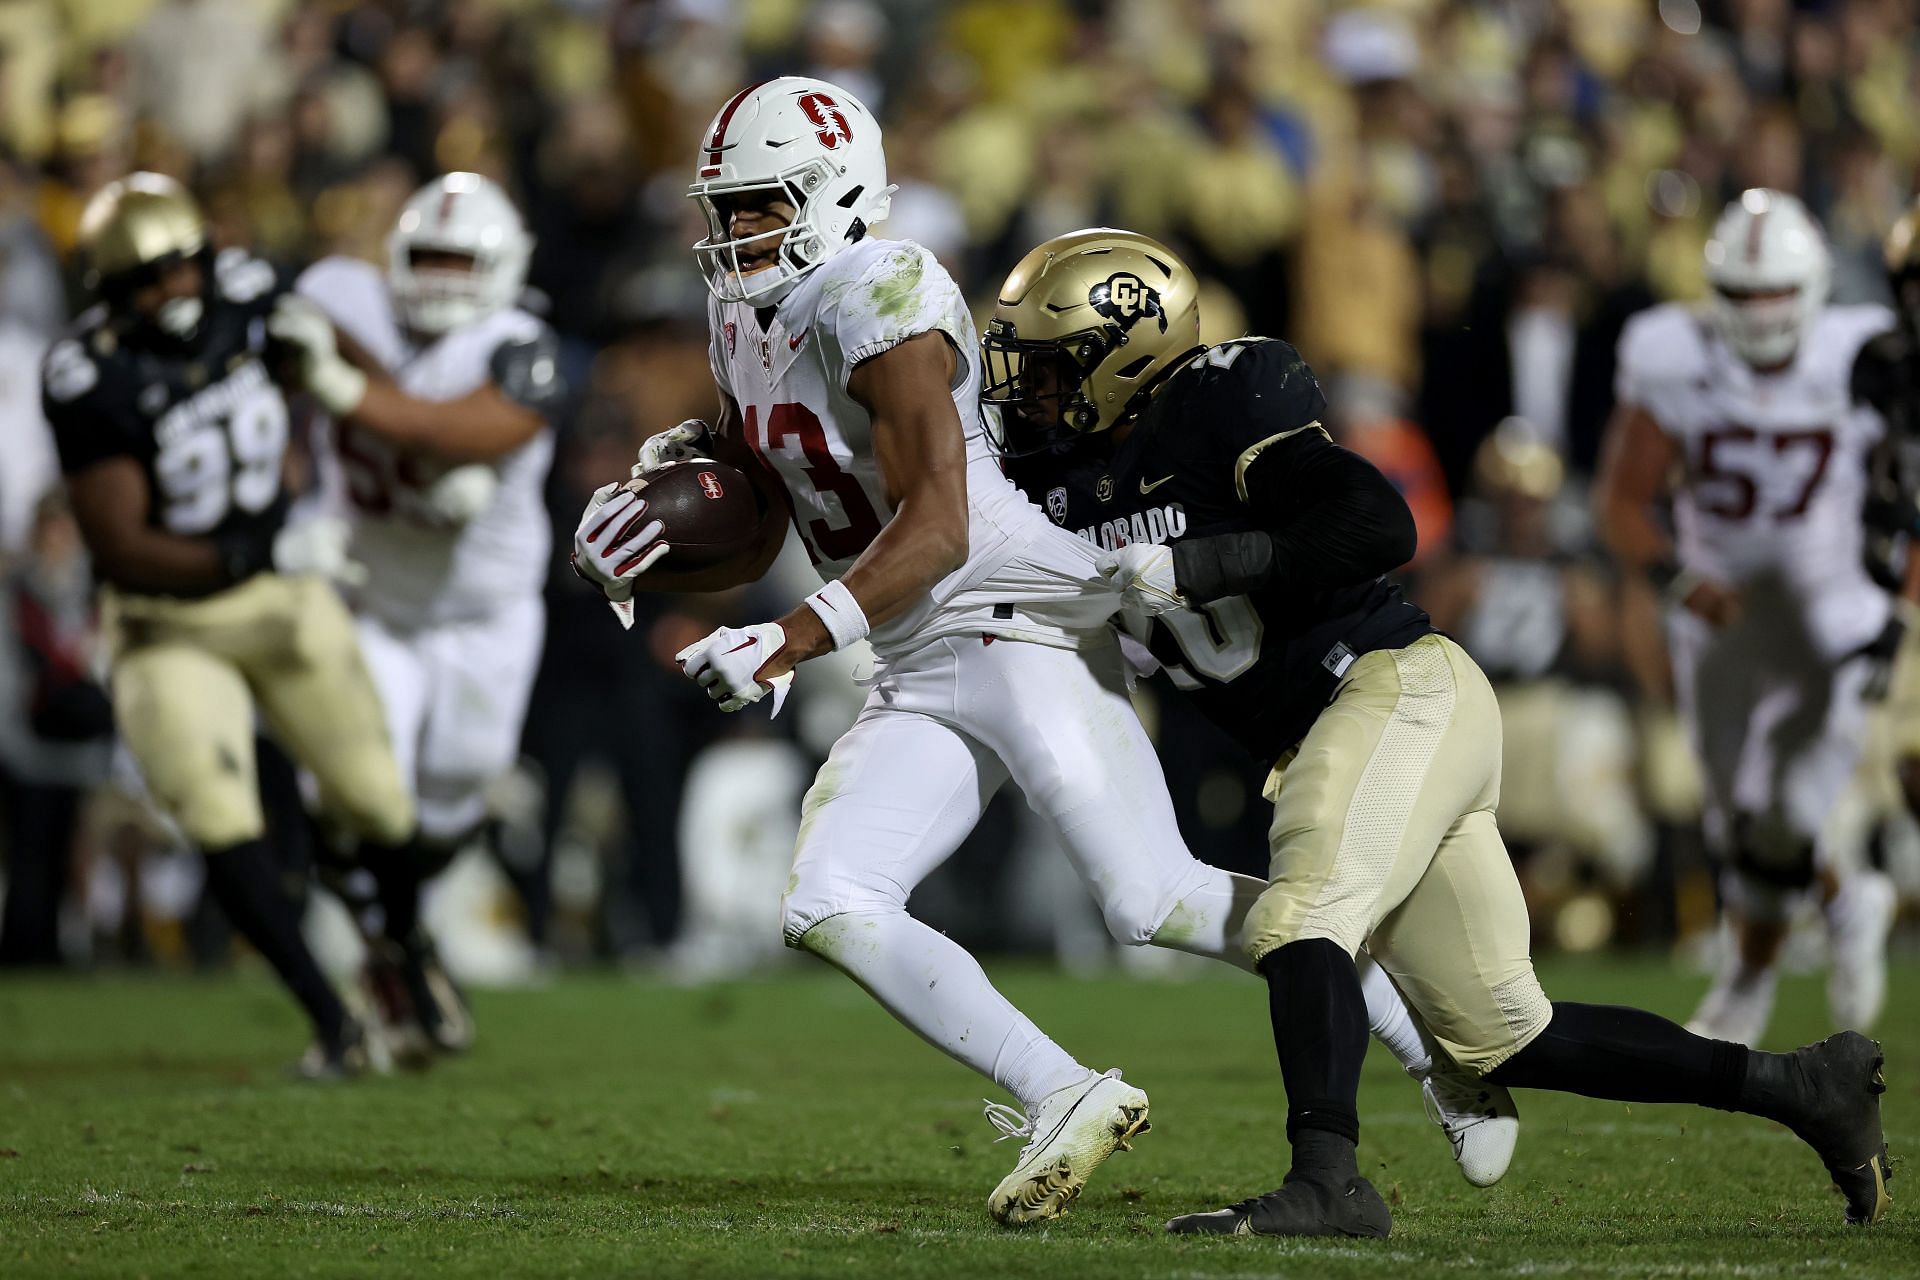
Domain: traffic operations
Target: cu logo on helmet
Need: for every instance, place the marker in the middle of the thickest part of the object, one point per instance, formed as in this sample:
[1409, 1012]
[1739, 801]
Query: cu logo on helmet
[710, 485]
[825, 112]
[1124, 297]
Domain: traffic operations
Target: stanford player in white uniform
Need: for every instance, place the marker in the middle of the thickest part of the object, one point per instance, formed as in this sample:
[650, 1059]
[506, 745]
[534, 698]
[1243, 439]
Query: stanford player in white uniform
[448, 516]
[1777, 628]
[849, 382]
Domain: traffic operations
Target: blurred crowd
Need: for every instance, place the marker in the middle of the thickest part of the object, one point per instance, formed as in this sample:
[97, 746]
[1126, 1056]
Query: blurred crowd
[1449, 206]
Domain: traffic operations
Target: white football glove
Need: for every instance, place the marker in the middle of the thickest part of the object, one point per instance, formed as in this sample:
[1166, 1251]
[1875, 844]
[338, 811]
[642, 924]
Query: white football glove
[318, 547]
[679, 443]
[336, 384]
[614, 544]
[1144, 574]
[462, 493]
[727, 665]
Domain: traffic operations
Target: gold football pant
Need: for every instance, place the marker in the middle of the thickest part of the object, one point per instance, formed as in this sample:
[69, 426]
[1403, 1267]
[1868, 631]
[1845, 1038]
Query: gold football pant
[188, 675]
[1383, 834]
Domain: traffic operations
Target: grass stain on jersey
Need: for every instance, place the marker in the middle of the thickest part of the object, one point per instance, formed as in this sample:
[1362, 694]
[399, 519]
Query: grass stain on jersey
[893, 294]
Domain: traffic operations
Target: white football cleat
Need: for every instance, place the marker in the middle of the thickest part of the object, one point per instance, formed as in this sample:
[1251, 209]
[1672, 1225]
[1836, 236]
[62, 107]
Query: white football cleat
[1480, 1121]
[1071, 1134]
[1738, 1007]
[1858, 921]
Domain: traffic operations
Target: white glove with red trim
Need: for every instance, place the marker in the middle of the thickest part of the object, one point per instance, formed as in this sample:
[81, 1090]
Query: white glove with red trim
[727, 665]
[616, 543]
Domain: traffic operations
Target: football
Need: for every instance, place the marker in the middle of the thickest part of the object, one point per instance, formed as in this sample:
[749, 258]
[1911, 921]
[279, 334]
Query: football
[708, 508]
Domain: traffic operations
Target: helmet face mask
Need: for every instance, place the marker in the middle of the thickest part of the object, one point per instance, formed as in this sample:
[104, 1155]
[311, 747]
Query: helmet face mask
[1087, 328]
[456, 216]
[1039, 388]
[1768, 267]
[799, 142]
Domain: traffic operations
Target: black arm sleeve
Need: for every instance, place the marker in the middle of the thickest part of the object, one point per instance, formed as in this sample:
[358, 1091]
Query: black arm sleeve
[1329, 519]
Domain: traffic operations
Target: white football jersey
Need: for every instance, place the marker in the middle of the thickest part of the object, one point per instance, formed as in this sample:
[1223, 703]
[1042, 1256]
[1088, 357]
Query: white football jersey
[424, 570]
[1774, 464]
[790, 381]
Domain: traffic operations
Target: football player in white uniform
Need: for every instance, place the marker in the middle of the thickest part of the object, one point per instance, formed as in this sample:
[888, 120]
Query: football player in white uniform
[1777, 628]
[442, 482]
[850, 382]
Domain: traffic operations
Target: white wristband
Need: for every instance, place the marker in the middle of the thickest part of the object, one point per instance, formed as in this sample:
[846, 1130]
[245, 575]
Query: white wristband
[840, 613]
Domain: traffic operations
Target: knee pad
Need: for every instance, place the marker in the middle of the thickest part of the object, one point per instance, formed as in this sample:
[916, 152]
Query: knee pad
[813, 899]
[1133, 915]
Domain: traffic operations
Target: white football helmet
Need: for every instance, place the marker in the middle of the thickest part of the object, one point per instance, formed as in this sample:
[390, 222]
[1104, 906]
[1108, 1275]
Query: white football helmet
[814, 145]
[460, 213]
[1768, 265]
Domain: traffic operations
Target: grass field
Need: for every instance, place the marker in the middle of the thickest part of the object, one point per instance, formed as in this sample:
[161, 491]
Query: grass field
[787, 1128]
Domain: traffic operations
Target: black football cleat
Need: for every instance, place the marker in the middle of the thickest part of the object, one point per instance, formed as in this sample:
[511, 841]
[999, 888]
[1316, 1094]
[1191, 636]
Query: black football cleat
[438, 1004]
[341, 1058]
[1303, 1206]
[1839, 1117]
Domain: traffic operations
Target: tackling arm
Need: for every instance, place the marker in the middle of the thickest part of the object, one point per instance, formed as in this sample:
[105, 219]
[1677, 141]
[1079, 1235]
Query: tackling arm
[1329, 519]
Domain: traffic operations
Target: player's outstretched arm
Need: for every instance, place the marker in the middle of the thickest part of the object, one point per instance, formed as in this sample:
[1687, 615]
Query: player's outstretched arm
[1328, 518]
[1635, 458]
[921, 447]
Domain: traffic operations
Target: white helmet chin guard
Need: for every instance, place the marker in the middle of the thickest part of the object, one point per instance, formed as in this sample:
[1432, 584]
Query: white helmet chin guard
[1768, 265]
[813, 145]
[460, 213]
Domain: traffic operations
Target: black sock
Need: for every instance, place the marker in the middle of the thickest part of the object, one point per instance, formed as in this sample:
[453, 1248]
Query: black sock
[245, 880]
[396, 871]
[1629, 1055]
[1320, 1033]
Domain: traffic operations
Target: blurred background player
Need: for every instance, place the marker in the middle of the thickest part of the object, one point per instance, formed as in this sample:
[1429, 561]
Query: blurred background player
[1886, 377]
[1777, 628]
[441, 480]
[173, 435]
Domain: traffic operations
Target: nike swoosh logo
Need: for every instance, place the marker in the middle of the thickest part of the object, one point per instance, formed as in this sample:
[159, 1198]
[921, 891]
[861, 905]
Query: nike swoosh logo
[748, 643]
[793, 343]
[1149, 488]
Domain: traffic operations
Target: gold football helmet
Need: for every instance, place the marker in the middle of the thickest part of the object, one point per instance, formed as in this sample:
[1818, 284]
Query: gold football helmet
[134, 227]
[1086, 328]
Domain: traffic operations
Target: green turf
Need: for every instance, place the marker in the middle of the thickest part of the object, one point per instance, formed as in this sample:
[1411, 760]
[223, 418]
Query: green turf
[787, 1128]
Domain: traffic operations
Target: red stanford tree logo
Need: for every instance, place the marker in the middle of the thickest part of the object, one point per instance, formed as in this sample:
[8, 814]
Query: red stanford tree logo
[826, 113]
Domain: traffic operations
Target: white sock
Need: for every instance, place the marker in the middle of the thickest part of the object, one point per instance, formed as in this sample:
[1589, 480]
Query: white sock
[1391, 1022]
[930, 983]
[1208, 920]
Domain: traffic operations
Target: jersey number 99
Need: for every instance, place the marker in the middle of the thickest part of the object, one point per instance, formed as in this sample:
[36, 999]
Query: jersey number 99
[227, 459]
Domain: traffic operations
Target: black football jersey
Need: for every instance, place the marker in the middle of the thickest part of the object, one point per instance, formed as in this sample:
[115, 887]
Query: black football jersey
[207, 423]
[1261, 666]
[1886, 376]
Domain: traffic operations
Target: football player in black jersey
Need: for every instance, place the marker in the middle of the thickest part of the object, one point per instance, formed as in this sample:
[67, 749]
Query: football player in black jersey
[172, 430]
[1886, 375]
[1257, 546]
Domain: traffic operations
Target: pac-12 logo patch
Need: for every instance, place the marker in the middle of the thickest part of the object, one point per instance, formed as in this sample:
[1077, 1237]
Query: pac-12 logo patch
[732, 337]
[1057, 505]
[1124, 297]
[710, 484]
